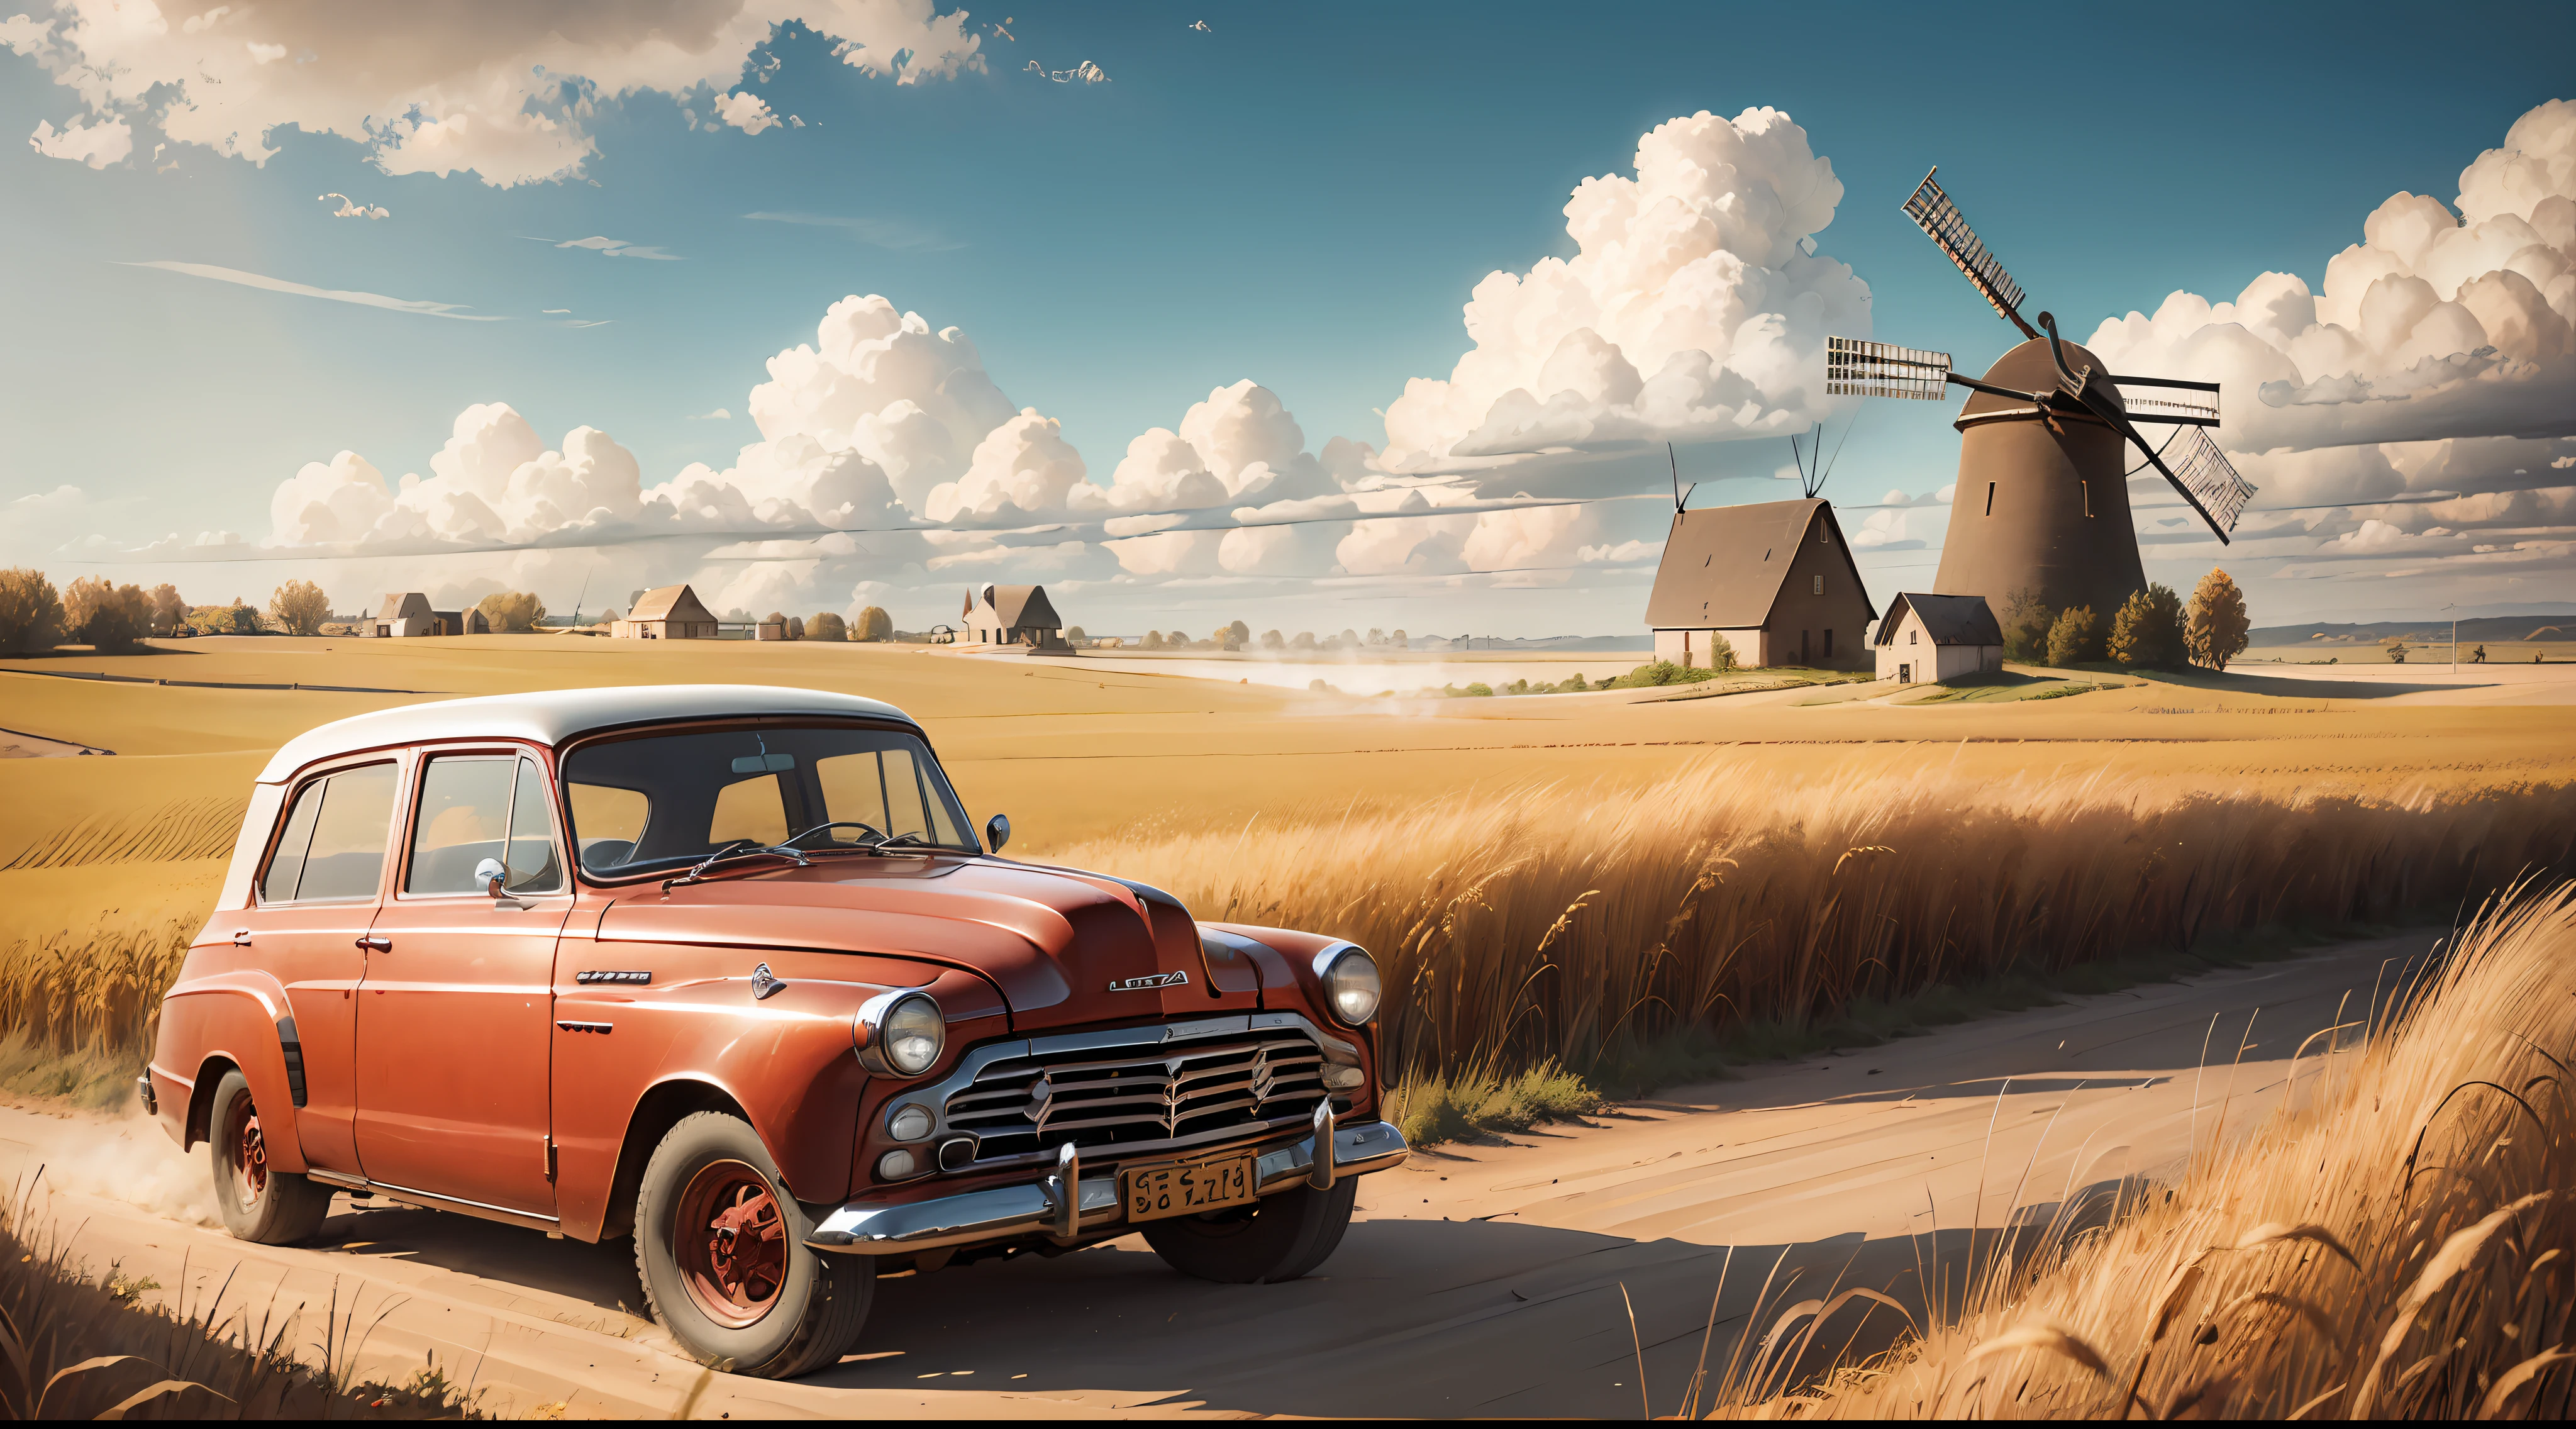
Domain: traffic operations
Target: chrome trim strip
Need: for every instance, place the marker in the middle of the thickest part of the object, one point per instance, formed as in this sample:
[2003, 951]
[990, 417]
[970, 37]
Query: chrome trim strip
[1003, 1212]
[346, 1182]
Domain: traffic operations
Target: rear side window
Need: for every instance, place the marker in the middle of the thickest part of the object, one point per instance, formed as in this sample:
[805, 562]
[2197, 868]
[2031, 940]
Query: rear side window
[479, 806]
[333, 848]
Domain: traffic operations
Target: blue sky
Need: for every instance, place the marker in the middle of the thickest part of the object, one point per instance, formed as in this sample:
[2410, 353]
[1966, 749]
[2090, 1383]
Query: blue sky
[1302, 196]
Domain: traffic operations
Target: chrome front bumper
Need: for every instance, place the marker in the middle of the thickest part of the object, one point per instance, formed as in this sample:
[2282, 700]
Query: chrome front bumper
[1003, 1212]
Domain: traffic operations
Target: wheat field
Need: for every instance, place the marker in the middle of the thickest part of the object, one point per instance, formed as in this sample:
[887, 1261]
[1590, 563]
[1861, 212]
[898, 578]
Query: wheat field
[1554, 923]
[2397, 1248]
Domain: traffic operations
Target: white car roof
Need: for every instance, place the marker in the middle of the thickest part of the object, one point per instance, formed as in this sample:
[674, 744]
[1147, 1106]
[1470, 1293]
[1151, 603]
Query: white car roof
[549, 717]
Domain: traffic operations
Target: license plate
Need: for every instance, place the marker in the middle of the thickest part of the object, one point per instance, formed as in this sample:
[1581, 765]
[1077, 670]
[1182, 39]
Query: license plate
[1189, 1187]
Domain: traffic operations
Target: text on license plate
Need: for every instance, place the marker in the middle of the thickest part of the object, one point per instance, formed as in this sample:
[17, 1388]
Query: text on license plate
[1186, 1188]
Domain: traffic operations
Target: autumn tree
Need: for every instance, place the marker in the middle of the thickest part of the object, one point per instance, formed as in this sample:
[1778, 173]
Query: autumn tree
[1270, 640]
[874, 624]
[169, 611]
[299, 608]
[826, 626]
[241, 619]
[2218, 626]
[512, 612]
[2075, 637]
[104, 615]
[1235, 636]
[2146, 633]
[31, 612]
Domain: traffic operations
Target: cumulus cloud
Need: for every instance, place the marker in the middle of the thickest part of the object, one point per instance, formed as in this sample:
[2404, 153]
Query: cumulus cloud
[1692, 308]
[2437, 324]
[2433, 370]
[503, 90]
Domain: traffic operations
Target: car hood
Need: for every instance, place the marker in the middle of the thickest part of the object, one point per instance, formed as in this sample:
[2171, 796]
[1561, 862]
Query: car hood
[1062, 946]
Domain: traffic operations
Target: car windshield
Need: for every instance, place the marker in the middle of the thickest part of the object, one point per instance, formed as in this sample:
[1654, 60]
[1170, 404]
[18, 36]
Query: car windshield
[648, 803]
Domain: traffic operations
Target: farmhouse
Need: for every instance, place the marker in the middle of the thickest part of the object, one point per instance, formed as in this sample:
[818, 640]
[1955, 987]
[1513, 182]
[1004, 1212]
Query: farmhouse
[1926, 639]
[408, 614]
[1774, 580]
[670, 612]
[1013, 615]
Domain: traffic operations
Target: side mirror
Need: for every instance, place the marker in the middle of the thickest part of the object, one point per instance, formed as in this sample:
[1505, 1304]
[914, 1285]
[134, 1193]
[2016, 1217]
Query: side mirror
[997, 832]
[491, 873]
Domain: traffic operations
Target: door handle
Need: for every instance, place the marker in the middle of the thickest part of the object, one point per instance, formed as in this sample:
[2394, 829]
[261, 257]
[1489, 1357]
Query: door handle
[377, 945]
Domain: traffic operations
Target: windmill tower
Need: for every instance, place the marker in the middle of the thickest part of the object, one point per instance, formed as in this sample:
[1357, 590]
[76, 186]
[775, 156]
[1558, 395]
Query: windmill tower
[2042, 502]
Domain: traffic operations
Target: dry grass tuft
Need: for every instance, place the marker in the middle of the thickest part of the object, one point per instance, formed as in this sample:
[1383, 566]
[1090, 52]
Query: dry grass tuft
[2400, 1248]
[77, 1345]
[1562, 925]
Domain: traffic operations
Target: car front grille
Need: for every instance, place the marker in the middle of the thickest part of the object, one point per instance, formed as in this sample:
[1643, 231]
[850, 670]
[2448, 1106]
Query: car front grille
[1137, 1095]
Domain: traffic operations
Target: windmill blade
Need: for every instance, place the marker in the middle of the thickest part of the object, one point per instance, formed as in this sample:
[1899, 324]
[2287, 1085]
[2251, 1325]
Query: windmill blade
[2169, 400]
[1940, 219]
[2203, 472]
[1854, 368]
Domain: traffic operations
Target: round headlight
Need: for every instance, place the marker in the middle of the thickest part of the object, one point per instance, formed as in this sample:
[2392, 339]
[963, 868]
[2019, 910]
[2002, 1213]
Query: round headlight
[910, 1122]
[897, 1165]
[1350, 984]
[903, 1034]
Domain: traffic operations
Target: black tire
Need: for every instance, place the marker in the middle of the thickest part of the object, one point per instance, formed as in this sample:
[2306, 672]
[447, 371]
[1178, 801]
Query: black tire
[257, 1204]
[1280, 1237]
[774, 1308]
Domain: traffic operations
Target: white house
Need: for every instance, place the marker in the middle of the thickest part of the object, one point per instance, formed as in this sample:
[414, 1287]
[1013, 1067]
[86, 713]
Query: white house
[1013, 615]
[1926, 639]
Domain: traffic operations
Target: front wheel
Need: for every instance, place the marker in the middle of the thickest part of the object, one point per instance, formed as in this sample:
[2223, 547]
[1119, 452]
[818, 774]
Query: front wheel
[1277, 1238]
[720, 1245]
[258, 1203]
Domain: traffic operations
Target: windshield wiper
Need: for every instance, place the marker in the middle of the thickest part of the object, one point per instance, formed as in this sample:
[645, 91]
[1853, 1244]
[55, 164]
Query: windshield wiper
[738, 848]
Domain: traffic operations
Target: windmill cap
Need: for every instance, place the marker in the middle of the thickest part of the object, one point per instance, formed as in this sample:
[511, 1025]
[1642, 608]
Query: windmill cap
[2028, 368]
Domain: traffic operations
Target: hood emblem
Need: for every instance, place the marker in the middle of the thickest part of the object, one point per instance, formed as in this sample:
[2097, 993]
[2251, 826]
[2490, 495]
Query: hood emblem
[764, 982]
[1150, 982]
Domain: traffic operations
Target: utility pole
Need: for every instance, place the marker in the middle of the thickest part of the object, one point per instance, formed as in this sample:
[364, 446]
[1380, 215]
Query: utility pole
[2454, 608]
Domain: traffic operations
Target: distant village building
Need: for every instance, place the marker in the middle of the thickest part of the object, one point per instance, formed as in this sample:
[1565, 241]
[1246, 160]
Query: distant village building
[1926, 639]
[1775, 580]
[770, 630]
[408, 614]
[1013, 615]
[670, 612]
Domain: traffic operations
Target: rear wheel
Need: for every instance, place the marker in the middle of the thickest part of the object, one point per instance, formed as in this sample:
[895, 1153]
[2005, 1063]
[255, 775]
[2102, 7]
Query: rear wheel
[721, 1248]
[258, 1202]
[1277, 1238]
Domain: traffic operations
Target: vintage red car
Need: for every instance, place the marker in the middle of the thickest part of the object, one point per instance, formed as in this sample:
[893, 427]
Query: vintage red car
[726, 969]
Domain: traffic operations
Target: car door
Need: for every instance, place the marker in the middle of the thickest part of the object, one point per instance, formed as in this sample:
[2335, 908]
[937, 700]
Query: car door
[311, 910]
[454, 1020]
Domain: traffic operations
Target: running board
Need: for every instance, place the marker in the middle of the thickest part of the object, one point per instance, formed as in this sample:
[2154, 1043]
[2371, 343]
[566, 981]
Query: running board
[432, 1201]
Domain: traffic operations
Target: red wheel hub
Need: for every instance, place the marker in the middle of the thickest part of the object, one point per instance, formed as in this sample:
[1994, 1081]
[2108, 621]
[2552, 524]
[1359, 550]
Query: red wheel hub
[731, 1243]
[249, 1153]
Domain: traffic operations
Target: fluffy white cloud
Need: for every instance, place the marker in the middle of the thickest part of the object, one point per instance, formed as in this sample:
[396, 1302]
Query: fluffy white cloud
[498, 88]
[2435, 325]
[98, 145]
[746, 111]
[351, 208]
[1238, 446]
[1692, 309]
[879, 382]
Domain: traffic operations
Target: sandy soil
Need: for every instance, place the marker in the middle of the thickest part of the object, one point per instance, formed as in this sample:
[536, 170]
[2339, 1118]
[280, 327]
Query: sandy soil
[1479, 1280]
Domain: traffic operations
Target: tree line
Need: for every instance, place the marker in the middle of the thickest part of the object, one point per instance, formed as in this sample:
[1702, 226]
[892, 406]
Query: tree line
[2152, 629]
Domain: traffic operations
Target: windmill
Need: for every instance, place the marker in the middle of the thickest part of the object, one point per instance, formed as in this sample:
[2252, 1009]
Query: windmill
[2042, 503]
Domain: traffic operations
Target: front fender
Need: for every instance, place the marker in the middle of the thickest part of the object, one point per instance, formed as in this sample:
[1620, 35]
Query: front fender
[239, 1017]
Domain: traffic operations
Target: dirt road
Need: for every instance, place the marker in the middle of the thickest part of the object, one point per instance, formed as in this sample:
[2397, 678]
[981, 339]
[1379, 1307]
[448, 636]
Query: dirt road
[1480, 1280]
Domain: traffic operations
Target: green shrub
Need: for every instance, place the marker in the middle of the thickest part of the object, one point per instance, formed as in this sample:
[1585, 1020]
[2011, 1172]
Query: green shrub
[2076, 637]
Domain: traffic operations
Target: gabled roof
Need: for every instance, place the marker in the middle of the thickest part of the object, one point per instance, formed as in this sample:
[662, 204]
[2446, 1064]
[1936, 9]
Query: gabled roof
[404, 606]
[1018, 607]
[549, 717]
[1723, 566]
[1948, 619]
[670, 602]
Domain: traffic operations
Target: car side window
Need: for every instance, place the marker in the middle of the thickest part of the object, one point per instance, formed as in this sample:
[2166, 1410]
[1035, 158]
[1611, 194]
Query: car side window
[334, 844]
[479, 806]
